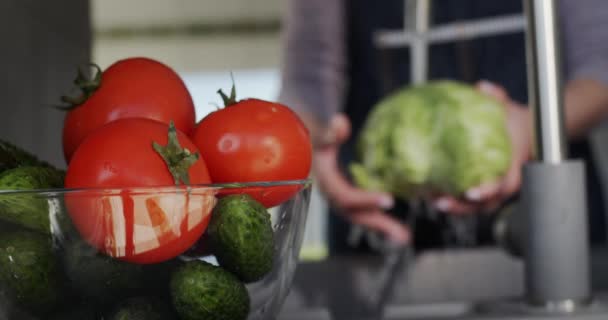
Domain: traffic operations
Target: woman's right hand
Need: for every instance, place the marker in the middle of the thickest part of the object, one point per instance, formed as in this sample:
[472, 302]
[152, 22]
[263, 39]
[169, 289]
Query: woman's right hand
[359, 206]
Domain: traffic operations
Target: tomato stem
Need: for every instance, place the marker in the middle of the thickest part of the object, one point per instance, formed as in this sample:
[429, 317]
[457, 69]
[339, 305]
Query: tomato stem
[178, 159]
[86, 85]
[228, 101]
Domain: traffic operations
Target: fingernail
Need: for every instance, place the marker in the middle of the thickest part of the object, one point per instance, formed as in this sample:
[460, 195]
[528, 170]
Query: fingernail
[443, 204]
[473, 194]
[386, 202]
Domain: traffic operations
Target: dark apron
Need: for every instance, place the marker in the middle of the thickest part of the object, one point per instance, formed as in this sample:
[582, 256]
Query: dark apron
[373, 73]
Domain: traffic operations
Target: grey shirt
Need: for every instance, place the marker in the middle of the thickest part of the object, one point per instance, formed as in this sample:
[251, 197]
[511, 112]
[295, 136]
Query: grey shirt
[314, 75]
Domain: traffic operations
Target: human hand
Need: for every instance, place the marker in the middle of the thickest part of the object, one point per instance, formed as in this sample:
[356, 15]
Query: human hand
[357, 205]
[489, 196]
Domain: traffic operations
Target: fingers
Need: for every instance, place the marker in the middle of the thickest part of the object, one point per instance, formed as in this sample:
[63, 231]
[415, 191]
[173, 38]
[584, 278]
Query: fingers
[449, 204]
[355, 198]
[485, 192]
[510, 184]
[338, 188]
[493, 90]
[359, 206]
[512, 181]
[485, 197]
[337, 131]
[344, 195]
[340, 125]
[383, 223]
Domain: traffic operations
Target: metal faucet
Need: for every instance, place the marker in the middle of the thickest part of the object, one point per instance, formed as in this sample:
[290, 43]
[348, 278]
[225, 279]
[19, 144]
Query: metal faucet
[557, 268]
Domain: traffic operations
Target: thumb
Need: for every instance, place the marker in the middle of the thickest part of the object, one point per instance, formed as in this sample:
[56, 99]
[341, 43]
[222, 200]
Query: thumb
[340, 126]
[336, 132]
[493, 90]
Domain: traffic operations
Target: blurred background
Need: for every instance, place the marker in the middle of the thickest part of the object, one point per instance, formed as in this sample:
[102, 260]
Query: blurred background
[203, 40]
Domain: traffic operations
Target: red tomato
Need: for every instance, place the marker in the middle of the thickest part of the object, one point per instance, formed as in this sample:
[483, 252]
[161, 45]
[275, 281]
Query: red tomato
[140, 227]
[130, 88]
[253, 141]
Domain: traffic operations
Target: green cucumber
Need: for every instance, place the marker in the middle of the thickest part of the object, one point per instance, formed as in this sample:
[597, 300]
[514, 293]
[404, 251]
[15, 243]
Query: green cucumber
[30, 272]
[28, 210]
[12, 156]
[200, 290]
[241, 237]
[142, 308]
[99, 278]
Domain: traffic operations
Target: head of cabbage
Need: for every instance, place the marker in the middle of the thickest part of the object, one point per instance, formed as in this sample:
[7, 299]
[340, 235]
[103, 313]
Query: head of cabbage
[440, 137]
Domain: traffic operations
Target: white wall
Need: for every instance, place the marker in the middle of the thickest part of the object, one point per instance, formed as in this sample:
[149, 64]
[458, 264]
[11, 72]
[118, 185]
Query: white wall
[112, 13]
[187, 52]
[190, 54]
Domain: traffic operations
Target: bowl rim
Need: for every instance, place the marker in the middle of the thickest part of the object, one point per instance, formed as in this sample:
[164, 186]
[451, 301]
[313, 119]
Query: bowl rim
[304, 183]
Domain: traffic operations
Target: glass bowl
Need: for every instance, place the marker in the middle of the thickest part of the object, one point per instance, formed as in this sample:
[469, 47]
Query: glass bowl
[126, 253]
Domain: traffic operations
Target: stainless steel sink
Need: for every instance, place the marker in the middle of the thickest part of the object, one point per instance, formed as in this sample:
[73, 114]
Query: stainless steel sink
[438, 285]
